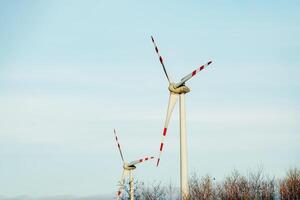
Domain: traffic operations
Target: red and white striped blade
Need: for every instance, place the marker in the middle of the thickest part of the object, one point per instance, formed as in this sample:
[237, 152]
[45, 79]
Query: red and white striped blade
[187, 77]
[141, 160]
[118, 144]
[122, 183]
[172, 102]
[161, 59]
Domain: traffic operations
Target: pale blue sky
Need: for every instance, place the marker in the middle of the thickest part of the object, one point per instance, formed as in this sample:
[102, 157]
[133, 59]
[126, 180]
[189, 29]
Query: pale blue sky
[71, 71]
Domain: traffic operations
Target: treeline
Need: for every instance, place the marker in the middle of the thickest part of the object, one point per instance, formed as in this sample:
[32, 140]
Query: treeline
[234, 187]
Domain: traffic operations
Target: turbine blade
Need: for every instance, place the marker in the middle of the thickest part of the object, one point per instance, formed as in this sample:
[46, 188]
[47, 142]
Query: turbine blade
[172, 102]
[119, 147]
[160, 59]
[187, 77]
[141, 160]
[122, 183]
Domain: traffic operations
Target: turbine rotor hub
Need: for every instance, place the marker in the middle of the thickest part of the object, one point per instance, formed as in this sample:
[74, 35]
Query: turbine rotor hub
[179, 90]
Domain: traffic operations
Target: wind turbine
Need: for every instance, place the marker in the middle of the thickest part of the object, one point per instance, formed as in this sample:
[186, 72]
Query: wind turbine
[178, 89]
[127, 171]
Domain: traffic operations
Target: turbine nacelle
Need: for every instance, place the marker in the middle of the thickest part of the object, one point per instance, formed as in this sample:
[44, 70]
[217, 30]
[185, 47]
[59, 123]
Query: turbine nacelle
[178, 90]
[127, 166]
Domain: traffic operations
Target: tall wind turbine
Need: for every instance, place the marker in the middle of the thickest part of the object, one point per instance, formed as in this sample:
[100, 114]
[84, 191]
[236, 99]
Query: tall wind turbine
[127, 171]
[178, 89]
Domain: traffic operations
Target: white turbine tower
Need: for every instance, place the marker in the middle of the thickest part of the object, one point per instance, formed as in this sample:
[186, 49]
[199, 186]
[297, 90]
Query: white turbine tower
[178, 89]
[127, 171]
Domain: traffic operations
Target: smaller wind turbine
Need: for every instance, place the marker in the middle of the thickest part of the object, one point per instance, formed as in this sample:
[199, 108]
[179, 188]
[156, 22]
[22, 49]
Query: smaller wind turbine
[127, 171]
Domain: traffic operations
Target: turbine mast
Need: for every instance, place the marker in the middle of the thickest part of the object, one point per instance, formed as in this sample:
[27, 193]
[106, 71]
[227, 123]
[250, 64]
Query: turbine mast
[131, 186]
[183, 150]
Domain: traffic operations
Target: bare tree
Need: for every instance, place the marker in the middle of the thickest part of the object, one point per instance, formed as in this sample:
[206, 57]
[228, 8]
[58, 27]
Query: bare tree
[154, 192]
[290, 185]
[201, 189]
[261, 187]
[234, 187]
[137, 191]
